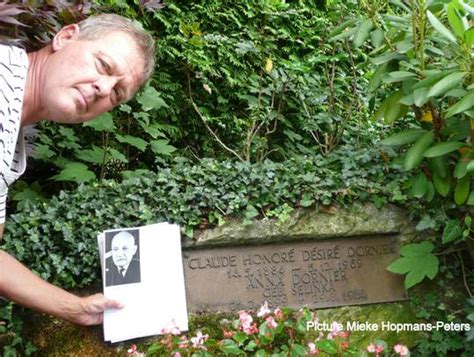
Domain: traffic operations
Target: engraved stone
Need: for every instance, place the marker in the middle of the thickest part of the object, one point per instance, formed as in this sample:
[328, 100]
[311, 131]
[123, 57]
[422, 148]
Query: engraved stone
[336, 272]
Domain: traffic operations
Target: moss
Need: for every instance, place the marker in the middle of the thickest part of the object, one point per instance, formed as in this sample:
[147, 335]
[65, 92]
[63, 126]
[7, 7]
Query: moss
[377, 315]
[58, 338]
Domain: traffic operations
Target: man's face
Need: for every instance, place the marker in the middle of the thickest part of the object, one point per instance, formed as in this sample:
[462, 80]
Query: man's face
[123, 249]
[85, 78]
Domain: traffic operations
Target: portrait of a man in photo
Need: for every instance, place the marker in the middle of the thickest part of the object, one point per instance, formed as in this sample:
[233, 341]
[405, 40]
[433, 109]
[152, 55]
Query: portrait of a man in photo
[122, 264]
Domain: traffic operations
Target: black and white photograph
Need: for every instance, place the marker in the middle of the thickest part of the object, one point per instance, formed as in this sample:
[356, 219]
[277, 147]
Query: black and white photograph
[122, 263]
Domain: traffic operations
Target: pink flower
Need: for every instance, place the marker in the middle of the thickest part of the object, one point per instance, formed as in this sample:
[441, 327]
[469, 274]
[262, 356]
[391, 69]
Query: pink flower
[336, 330]
[344, 345]
[250, 329]
[278, 313]
[183, 343]
[245, 318]
[228, 334]
[199, 340]
[401, 350]
[264, 310]
[375, 348]
[312, 348]
[132, 350]
[177, 354]
[271, 323]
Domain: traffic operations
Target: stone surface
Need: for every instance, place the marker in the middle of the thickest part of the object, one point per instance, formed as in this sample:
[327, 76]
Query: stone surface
[333, 272]
[357, 220]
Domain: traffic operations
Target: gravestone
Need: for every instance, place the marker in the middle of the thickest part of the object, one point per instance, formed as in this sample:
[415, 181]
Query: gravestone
[315, 258]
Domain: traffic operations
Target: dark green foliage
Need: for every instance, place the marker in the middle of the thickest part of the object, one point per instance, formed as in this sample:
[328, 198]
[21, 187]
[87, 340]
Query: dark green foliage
[57, 239]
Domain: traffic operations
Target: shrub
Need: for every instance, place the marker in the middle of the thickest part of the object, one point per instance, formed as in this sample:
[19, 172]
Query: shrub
[57, 239]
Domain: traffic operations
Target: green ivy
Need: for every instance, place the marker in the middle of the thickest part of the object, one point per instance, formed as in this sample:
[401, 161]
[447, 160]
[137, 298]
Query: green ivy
[57, 239]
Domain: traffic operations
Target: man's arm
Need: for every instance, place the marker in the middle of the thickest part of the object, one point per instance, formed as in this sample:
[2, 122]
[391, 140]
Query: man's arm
[19, 284]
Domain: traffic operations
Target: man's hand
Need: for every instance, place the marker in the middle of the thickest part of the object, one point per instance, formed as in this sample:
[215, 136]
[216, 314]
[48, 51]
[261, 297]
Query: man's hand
[91, 309]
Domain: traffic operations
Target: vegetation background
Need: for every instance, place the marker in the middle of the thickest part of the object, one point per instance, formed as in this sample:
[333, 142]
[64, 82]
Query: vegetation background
[325, 102]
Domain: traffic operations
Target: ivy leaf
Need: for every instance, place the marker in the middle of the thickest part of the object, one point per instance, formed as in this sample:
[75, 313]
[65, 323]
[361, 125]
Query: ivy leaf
[104, 122]
[418, 261]
[251, 212]
[76, 172]
[452, 231]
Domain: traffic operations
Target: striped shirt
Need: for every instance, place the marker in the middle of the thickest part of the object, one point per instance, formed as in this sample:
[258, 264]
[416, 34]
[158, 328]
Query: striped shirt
[13, 70]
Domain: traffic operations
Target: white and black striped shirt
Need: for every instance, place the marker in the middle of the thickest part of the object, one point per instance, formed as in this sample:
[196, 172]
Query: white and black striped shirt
[13, 70]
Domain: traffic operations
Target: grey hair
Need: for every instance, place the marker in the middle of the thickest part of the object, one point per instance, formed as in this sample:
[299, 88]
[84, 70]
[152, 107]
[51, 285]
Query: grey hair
[95, 26]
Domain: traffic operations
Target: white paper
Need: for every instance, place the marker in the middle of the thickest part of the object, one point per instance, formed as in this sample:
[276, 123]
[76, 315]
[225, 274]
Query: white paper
[155, 296]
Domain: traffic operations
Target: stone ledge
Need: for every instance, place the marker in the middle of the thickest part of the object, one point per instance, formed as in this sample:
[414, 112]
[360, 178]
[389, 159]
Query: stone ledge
[314, 223]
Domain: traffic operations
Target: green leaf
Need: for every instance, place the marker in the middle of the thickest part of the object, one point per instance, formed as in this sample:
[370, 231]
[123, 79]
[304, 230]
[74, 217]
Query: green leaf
[469, 37]
[298, 350]
[405, 137]
[455, 20]
[417, 261]
[464, 104]
[414, 155]
[161, 147]
[430, 79]
[470, 200]
[445, 84]
[150, 99]
[394, 109]
[460, 170]
[377, 37]
[420, 96]
[251, 212]
[362, 32]
[461, 192]
[140, 144]
[430, 192]
[94, 155]
[398, 76]
[117, 155]
[442, 185]
[443, 30]
[441, 149]
[420, 185]
[339, 28]
[452, 231]
[76, 172]
[377, 76]
[344, 34]
[439, 165]
[104, 122]
[470, 166]
[328, 346]
[230, 347]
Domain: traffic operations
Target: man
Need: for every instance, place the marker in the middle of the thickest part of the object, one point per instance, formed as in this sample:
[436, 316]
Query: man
[87, 69]
[122, 267]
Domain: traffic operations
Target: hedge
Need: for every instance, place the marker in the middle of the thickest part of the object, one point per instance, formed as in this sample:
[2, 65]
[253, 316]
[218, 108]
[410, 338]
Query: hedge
[57, 239]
